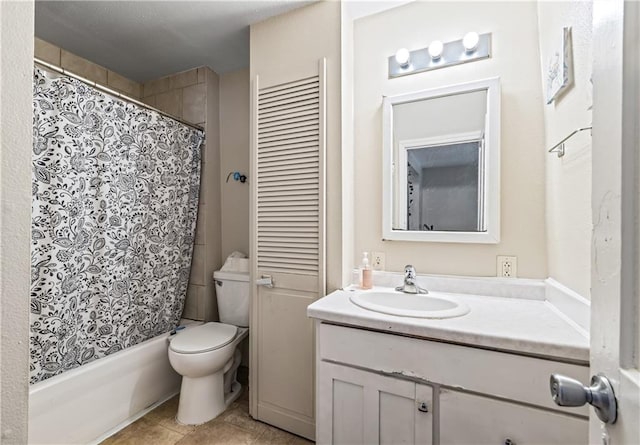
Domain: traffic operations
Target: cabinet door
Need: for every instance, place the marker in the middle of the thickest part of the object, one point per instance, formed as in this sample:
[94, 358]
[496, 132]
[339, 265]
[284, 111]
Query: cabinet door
[471, 419]
[359, 407]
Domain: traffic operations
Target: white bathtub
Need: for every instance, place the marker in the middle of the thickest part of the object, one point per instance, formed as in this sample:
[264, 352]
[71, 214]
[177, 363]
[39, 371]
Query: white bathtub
[88, 404]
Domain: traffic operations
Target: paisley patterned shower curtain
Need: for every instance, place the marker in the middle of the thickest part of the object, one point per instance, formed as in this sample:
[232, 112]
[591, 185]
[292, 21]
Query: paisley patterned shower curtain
[115, 201]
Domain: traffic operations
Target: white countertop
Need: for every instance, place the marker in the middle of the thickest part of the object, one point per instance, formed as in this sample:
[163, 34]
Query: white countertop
[522, 325]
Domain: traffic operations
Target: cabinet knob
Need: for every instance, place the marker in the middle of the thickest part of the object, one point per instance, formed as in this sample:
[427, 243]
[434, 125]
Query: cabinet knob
[508, 441]
[422, 407]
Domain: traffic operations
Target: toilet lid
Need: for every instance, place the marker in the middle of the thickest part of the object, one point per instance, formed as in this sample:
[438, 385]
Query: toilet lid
[203, 338]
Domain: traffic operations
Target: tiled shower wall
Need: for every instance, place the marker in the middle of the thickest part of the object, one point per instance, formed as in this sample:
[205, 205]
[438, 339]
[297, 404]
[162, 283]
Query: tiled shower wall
[192, 95]
[89, 70]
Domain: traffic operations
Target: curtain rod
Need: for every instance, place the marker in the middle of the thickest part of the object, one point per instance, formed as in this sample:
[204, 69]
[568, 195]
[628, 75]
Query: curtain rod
[111, 92]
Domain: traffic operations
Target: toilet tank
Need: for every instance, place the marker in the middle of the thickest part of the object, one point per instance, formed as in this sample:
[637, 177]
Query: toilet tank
[232, 291]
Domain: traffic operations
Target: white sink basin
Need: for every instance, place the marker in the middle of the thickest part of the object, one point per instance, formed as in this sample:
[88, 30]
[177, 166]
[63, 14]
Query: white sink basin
[431, 305]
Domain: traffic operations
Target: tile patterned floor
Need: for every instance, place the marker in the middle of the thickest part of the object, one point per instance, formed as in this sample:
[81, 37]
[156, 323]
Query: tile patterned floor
[232, 427]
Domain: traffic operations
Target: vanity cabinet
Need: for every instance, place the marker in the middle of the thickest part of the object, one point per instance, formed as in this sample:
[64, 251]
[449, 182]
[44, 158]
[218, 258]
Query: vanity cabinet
[473, 419]
[360, 407]
[376, 387]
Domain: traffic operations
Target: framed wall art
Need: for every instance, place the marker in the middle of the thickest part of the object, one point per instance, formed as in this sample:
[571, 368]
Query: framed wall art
[560, 67]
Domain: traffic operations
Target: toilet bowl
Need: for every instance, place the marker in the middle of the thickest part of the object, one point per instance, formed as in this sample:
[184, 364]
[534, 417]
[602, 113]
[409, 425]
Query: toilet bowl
[204, 356]
[208, 356]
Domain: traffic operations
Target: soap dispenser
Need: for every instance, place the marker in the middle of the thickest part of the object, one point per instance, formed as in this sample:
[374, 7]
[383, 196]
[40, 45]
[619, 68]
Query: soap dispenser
[366, 274]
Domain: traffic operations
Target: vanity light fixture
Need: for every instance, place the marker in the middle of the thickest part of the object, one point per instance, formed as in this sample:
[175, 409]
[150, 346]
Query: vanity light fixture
[440, 54]
[435, 49]
[403, 57]
[470, 41]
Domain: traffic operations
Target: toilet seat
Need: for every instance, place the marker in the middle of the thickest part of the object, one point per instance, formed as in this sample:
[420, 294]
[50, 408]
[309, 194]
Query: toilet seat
[203, 338]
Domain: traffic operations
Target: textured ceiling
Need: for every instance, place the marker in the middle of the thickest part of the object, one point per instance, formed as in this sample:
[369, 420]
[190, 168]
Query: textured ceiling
[144, 40]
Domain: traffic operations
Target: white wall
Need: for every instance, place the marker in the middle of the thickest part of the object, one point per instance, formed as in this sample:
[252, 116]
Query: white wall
[515, 59]
[347, 137]
[16, 76]
[568, 179]
[234, 156]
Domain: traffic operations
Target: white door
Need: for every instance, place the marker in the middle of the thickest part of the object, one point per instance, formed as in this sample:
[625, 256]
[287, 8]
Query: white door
[615, 320]
[287, 248]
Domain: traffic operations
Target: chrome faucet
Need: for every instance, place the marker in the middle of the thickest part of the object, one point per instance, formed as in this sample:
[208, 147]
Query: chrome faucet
[410, 286]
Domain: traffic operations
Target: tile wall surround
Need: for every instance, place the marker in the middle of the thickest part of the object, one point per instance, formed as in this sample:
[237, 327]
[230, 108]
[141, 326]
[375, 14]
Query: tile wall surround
[182, 94]
[64, 59]
[192, 95]
[568, 304]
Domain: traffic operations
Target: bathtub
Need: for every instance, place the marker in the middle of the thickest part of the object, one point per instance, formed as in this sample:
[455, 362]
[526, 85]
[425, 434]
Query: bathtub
[88, 404]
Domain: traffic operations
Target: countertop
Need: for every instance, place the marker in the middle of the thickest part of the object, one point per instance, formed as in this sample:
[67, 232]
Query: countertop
[520, 325]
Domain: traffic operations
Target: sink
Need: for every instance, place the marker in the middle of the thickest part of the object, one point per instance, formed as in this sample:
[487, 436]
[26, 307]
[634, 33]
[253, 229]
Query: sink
[431, 305]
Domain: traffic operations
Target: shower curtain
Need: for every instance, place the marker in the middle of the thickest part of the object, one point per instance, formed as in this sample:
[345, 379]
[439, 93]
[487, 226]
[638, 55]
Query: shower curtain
[115, 200]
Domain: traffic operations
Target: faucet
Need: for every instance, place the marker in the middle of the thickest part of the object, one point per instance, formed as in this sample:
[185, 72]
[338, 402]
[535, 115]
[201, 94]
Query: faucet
[410, 286]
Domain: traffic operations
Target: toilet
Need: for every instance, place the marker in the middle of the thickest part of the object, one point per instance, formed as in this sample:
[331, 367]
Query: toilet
[207, 356]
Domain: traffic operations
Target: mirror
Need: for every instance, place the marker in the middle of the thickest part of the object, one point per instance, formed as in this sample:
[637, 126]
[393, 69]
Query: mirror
[441, 167]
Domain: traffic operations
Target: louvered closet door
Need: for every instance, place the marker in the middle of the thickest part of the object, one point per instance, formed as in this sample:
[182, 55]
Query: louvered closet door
[288, 246]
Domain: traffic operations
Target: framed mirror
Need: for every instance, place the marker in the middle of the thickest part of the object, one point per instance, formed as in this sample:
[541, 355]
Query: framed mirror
[441, 164]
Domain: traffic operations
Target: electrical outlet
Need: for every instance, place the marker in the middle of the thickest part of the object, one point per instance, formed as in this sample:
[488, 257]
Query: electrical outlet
[507, 266]
[377, 262]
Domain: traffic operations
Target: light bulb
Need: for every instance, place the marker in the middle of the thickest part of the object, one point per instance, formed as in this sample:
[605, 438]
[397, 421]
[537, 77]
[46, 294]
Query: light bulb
[402, 57]
[470, 41]
[435, 49]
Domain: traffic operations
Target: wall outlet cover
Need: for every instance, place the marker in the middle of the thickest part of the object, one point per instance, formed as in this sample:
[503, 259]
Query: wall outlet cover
[377, 260]
[507, 266]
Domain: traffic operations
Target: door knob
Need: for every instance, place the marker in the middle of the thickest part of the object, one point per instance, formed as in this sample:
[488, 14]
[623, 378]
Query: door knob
[566, 391]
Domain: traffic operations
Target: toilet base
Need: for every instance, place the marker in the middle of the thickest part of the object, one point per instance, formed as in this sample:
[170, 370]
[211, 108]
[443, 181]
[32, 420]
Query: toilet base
[204, 398]
[201, 399]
